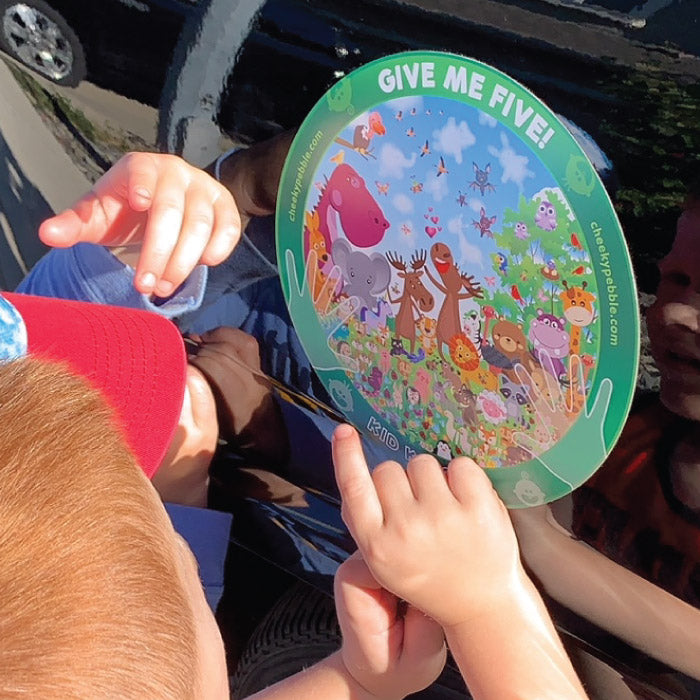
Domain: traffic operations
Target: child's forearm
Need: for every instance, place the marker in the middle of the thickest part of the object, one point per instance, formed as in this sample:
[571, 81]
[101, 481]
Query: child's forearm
[607, 594]
[252, 175]
[327, 680]
[514, 654]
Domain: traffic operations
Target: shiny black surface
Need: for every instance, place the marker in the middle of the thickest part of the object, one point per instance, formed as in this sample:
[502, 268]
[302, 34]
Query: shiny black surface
[191, 77]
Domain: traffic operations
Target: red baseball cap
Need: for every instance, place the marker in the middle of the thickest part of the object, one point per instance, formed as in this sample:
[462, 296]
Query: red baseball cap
[135, 358]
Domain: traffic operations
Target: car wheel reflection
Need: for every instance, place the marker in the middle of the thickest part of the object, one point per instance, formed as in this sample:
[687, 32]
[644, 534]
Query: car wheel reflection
[41, 39]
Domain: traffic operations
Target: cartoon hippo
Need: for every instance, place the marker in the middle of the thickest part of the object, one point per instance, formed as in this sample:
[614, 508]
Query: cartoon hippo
[549, 339]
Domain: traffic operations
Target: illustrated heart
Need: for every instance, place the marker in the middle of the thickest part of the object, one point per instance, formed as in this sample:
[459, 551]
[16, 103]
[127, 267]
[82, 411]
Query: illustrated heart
[435, 219]
[431, 231]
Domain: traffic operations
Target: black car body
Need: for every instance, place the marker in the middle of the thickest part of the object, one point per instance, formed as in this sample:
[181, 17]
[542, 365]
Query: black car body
[124, 45]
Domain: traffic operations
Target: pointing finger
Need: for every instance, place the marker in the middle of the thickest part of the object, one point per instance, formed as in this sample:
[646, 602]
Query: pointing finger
[362, 511]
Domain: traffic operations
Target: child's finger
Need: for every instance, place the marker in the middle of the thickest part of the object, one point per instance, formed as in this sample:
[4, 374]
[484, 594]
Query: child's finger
[424, 639]
[62, 230]
[362, 511]
[427, 478]
[141, 179]
[354, 570]
[226, 232]
[393, 489]
[162, 232]
[468, 482]
[234, 341]
[201, 402]
[197, 224]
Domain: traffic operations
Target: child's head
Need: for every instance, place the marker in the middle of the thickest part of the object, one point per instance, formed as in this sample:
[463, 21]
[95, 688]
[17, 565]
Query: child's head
[101, 598]
[674, 319]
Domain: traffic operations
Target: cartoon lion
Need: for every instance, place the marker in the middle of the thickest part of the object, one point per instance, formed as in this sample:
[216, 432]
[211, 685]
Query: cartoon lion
[464, 354]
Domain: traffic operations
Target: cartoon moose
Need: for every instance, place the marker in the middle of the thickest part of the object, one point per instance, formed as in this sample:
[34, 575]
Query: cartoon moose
[448, 324]
[413, 296]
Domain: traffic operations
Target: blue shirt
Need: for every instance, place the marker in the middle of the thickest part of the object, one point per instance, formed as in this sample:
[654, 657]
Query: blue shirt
[243, 292]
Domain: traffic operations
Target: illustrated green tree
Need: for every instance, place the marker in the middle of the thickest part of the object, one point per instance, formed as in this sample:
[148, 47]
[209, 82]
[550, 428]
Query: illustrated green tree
[537, 263]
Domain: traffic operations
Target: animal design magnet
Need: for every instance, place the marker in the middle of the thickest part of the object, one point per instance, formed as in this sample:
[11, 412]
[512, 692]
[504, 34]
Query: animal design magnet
[456, 273]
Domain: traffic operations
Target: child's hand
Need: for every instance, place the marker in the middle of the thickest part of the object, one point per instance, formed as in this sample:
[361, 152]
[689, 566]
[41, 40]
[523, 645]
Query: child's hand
[443, 542]
[388, 654]
[183, 476]
[177, 213]
[248, 414]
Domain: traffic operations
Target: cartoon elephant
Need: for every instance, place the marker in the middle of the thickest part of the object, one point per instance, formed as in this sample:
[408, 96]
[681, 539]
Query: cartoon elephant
[364, 276]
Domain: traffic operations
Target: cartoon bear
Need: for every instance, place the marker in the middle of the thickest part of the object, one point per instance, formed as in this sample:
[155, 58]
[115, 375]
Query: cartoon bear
[509, 339]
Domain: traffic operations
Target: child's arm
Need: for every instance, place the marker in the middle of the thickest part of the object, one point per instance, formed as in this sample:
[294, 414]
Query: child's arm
[175, 215]
[611, 596]
[183, 476]
[249, 416]
[444, 543]
[163, 216]
[384, 656]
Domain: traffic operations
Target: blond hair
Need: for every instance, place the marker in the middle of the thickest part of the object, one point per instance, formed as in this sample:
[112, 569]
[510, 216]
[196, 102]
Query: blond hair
[91, 603]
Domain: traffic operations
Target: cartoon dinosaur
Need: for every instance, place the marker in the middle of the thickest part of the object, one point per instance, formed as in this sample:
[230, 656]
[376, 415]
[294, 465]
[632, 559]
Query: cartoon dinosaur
[346, 202]
[376, 320]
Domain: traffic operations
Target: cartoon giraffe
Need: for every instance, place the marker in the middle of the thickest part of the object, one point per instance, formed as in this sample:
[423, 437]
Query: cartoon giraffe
[322, 290]
[578, 310]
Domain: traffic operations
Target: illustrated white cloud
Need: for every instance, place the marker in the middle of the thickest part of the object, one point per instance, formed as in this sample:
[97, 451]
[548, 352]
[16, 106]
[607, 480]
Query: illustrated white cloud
[468, 253]
[514, 166]
[402, 203]
[437, 187]
[453, 138]
[393, 162]
[487, 120]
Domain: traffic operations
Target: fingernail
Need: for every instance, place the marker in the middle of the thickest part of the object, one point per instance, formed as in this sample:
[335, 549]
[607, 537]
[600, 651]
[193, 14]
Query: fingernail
[343, 431]
[142, 192]
[148, 280]
[164, 288]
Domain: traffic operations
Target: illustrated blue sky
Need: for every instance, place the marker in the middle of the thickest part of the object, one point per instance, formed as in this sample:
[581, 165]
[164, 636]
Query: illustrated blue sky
[417, 197]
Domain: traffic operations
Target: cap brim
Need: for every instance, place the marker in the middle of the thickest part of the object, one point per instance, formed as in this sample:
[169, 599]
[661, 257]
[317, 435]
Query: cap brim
[135, 358]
